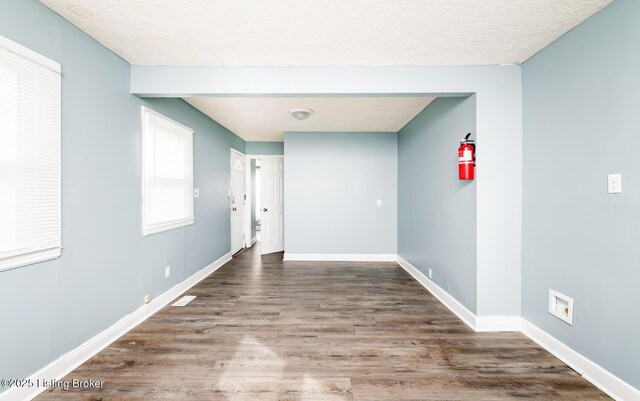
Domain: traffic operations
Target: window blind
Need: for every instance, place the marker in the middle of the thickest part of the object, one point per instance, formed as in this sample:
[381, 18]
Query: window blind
[167, 170]
[29, 157]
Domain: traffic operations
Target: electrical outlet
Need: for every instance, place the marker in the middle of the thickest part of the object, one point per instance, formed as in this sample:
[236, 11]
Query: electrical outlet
[379, 202]
[430, 273]
[196, 192]
[167, 272]
[147, 299]
[614, 183]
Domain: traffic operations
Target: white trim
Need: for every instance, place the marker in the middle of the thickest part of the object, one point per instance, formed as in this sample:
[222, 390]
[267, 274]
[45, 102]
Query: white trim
[477, 323]
[167, 226]
[253, 241]
[447, 300]
[145, 109]
[30, 258]
[149, 229]
[238, 152]
[76, 357]
[341, 257]
[248, 204]
[493, 323]
[29, 54]
[606, 381]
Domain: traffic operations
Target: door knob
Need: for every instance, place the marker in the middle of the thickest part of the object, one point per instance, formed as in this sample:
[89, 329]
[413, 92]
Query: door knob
[264, 210]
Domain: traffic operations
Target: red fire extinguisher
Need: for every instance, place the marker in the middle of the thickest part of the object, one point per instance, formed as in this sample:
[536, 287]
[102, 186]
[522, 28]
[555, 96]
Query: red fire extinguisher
[466, 158]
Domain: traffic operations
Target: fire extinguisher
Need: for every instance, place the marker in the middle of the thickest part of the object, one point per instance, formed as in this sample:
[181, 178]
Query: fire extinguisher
[466, 158]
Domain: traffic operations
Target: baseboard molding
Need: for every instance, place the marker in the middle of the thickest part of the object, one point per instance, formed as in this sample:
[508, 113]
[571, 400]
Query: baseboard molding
[341, 257]
[606, 381]
[76, 357]
[447, 300]
[493, 323]
[598, 376]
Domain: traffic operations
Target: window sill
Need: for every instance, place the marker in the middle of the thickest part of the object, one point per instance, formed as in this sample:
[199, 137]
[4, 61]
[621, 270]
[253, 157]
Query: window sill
[30, 258]
[166, 227]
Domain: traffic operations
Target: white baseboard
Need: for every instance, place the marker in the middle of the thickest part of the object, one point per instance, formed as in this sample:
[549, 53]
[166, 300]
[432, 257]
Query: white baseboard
[592, 372]
[598, 376]
[76, 357]
[342, 257]
[495, 323]
[477, 323]
[450, 302]
[606, 381]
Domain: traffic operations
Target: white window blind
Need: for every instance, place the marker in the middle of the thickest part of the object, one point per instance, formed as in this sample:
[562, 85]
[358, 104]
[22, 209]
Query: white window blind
[29, 157]
[167, 173]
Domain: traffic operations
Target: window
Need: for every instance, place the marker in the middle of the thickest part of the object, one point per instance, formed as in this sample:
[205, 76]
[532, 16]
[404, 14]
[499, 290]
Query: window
[167, 173]
[29, 157]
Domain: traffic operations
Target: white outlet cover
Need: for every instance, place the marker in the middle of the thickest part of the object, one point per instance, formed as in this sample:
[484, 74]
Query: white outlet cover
[614, 183]
[167, 272]
[430, 273]
[196, 192]
[561, 306]
[379, 202]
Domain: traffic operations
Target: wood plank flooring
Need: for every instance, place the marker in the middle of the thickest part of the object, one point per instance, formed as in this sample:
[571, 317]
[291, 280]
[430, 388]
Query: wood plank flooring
[264, 329]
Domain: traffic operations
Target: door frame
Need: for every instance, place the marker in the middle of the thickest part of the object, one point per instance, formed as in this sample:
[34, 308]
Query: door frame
[231, 170]
[248, 185]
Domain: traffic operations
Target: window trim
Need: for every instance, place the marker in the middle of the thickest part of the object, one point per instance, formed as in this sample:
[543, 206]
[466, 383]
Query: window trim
[173, 224]
[29, 54]
[26, 257]
[30, 258]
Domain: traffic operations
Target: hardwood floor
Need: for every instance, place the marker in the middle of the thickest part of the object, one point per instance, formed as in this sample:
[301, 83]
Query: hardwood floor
[264, 329]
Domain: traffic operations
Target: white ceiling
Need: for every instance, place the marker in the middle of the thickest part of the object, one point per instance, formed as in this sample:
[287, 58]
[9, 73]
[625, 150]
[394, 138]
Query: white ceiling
[325, 32]
[265, 119]
[322, 33]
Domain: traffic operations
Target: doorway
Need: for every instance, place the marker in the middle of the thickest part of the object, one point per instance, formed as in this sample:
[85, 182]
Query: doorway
[237, 200]
[264, 213]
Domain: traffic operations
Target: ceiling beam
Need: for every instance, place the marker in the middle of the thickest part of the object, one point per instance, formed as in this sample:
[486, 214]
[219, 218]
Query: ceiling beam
[498, 91]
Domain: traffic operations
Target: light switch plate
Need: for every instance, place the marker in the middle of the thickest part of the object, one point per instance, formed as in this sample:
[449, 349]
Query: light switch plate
[614, 183]
[196, 192]
[379, 202]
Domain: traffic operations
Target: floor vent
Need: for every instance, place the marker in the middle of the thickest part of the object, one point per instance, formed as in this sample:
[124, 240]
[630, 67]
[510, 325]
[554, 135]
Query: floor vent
[184, 300]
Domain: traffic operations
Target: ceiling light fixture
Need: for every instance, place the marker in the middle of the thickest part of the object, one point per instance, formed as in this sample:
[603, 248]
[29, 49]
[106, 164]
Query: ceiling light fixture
[301, 113]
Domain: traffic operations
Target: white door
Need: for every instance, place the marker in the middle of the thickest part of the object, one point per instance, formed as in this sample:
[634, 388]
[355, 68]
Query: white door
[237, 200]
[272, 198]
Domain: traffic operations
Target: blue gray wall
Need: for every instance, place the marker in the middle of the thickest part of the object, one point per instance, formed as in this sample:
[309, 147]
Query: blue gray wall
[436, 211]
[581, 123]
[106, 266]
[265, 148]
[332, 182]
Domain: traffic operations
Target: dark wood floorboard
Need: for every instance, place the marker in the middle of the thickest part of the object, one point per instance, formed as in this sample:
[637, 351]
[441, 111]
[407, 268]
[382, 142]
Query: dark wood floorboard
[264, 329]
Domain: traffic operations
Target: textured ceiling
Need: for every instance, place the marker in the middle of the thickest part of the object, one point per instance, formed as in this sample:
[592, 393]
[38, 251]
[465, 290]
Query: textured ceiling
[325, 32]
[265, 119]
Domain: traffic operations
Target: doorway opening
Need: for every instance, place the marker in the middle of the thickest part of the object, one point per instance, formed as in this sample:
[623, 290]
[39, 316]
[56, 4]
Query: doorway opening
[264, 211]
